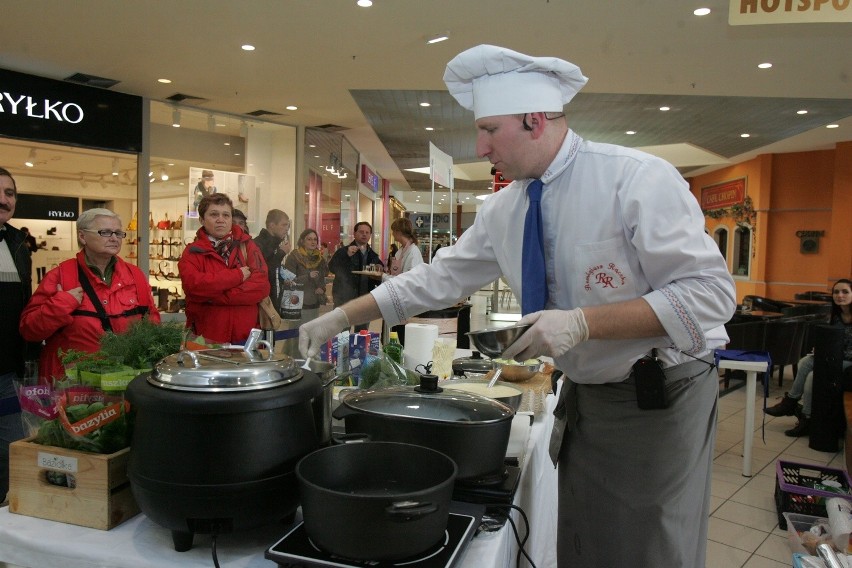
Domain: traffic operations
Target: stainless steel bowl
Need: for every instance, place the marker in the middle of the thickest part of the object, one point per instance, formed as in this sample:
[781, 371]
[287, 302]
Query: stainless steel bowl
[518, 372]
[494, 341]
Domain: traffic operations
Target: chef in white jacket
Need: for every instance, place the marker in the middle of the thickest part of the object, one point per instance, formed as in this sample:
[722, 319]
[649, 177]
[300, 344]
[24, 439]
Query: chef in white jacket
[625, 274]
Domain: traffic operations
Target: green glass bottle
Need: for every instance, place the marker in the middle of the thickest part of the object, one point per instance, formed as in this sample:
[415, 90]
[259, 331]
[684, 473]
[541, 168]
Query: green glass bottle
[393, 348]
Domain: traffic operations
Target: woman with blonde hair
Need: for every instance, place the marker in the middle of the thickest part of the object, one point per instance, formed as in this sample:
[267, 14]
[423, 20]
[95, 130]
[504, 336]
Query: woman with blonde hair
[307, 262]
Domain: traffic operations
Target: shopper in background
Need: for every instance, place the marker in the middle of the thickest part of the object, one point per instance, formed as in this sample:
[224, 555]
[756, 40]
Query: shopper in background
[802, 389]
[391, 253]
[612, 267]
[241, 221]
[223, 284]
[30, 240]
[15, 289]
[307, 263]
[357, 256]
[403, 259]
[274, 243]
[86, 296]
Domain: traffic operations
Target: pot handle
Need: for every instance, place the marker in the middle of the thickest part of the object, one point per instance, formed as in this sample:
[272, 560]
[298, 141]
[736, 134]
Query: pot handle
[341, 412]
[405, 511]
[336, 378]
[184, 354]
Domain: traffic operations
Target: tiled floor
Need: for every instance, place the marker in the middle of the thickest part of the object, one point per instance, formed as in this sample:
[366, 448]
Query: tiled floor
[744, 529]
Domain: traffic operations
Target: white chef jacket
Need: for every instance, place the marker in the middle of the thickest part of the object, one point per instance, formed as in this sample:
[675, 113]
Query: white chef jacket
[618, 224]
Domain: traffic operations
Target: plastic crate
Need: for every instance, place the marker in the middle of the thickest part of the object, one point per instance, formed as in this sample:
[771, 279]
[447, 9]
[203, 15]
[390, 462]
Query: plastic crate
[798, 524]
[798, 489]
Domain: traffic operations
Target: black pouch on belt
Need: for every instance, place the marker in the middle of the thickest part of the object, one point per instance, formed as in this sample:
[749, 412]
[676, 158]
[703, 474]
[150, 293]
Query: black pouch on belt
[650, 383]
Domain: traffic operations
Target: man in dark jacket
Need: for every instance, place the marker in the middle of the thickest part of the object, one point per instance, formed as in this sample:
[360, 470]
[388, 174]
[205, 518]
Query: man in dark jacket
[15, 291]
[274, 243]
[357, 256]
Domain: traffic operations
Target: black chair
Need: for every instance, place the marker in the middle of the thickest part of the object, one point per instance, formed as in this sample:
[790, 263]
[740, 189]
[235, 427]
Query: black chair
[813, 296]
[780, 340]
[747, 336]
[765, 304]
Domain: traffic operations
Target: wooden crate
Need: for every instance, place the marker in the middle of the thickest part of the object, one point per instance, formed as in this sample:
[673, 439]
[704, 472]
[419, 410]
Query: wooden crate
[100, 497]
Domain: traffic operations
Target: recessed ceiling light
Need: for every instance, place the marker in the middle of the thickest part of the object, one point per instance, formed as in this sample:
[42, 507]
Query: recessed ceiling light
[316, 156]
[438, 38]
[425, 104]
[701, 11]
[247, 47]
[832, 126]
[227, 143]
[221, 124]
[365, 3]
[745, 135]
[429, 128]
[312, 145]
[803, 111]
[166, 81]
[764, 65]
[631, 132]
[664, 109]
[292, 107]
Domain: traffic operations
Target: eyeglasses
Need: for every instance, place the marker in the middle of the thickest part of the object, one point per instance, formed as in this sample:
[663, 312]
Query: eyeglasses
[106, 233]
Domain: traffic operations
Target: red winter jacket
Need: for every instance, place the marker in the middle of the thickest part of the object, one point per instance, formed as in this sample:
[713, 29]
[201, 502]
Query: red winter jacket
[50, 314]
[219, 305]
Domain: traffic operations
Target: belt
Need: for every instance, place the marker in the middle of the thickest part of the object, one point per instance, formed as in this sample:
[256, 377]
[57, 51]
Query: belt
[566, 413]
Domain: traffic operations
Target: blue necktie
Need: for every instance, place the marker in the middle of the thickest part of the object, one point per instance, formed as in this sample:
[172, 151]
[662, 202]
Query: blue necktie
[534, 288]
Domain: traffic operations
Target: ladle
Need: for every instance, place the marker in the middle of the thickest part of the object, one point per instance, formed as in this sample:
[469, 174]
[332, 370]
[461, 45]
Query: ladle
[496, 376]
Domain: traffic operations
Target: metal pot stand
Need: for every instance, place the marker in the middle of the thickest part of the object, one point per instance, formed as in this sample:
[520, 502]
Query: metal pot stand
[296, 548]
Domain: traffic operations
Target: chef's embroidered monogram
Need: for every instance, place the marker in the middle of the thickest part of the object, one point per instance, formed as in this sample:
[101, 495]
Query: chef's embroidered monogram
[604, 276]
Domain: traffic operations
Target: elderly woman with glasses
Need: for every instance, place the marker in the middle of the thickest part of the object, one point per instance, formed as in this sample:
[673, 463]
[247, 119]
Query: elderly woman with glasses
[86, 296]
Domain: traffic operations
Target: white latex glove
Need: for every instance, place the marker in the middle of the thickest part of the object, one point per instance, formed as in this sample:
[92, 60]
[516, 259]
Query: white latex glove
[553, 333]
[314, 333]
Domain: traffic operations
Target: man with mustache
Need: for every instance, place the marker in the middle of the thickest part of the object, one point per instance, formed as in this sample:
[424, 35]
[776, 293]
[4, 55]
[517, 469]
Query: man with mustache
[15, 291]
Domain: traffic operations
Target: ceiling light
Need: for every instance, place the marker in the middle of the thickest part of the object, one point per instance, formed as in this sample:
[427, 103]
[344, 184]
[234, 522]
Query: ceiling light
[343, 175]
[312, 145]
[163, 175]
[176, 118]
[364, 3]
[247, 47]
[425, 104]
[115, 171]
[764, 65]
[482, 197]
[832, 126]
[292, 107]
[631, 132]
[664, 109]
[211, 123]
[227, 143]
[745, 135]
[31, 158]
[429, 128]
[438, 38]
[164, 81]
[701, 11]
[803, 111]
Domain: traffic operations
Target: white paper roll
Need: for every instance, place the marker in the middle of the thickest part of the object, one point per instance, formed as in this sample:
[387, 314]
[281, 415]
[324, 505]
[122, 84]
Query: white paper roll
[419, 339]
[840, 521]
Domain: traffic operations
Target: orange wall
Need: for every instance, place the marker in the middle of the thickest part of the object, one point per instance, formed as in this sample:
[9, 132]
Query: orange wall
[802, 191]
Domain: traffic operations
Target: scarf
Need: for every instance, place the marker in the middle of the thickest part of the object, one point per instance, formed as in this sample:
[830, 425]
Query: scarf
[223, 246]
[310, 259]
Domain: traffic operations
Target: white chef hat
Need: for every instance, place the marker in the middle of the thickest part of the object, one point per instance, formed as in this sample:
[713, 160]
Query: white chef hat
[492, 80]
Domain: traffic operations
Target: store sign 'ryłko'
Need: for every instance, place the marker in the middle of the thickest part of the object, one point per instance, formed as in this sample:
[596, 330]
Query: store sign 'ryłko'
[47, 110]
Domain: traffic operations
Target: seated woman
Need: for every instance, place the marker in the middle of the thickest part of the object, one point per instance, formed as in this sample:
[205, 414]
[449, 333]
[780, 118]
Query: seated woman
[841, 315]
[82, 298]
[223, 274]
[308, 264]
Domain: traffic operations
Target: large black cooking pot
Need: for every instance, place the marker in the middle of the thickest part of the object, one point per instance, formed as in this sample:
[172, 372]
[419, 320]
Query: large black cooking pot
[376, 500]
[473, 430]
[216, 438]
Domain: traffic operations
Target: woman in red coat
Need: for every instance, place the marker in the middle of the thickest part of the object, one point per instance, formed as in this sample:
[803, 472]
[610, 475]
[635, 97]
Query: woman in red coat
[62, 312]
[223, 284]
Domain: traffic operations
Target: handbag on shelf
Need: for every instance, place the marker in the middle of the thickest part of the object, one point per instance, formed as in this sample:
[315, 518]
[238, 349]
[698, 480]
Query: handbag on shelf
[163, 224]
[131, 226]
[178, 225]
[150, 219]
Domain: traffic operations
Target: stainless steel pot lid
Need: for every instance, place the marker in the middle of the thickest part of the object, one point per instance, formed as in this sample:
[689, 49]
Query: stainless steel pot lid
[473, 364]
[447, 405]
[222, 370]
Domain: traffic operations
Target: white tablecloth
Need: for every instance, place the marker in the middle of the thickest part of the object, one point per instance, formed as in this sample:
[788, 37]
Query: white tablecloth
[139, 543]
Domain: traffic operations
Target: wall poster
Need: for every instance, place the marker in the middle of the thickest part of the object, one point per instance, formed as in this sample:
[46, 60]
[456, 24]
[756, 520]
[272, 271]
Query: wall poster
[239, 187]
